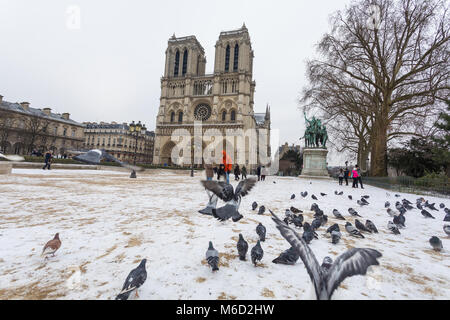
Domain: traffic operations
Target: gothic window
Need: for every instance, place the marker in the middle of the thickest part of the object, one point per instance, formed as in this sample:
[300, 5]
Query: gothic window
[177, 64]
[172, 117]
[198, 65]
[224, 115]
[185, 61]
[202, 112]
[233, 115]
[180, 117]
[236, 58]
[227, 59]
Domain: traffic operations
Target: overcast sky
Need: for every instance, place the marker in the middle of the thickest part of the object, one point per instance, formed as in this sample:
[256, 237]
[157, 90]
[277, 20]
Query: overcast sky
[109, 68]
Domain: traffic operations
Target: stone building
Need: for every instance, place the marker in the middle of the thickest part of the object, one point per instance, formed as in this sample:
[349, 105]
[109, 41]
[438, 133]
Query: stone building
[286, 147]
[24, 129]
[118, 141]
[223, 101]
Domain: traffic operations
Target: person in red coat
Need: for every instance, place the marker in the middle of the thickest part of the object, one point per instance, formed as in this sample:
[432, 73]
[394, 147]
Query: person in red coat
[228, 165]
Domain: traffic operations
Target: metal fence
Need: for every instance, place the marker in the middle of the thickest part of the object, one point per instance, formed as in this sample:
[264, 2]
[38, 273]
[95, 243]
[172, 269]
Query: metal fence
[412, 185]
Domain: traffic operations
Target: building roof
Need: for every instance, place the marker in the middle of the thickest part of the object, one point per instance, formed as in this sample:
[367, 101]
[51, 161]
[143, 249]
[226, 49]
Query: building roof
[122, 126]
[17, 107]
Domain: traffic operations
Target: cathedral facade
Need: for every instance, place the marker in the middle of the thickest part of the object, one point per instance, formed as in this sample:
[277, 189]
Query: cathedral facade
[221, 102]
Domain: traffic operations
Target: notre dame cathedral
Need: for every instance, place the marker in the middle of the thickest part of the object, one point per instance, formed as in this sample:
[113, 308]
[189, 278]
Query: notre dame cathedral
[223, 100]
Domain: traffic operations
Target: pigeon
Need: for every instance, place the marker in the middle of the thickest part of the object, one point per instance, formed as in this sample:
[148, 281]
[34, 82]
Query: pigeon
[335, 192]
[447, 229]
[242, 247]
[295, 210]
[261, 210]
[293, 197]
[338, 215]
[436, 243]
[304, 194]
[407, 206]
[51, 246]
[257, 253]
[391, 212]
[274, 182]
[232, 197]
[288, 213]
[364, 200]
[353, 231]
[432, 207]
[426, 214]
[387, 204]
[12, 157]
[350, 197]
[371, 226]
[393, 227]
[341, 193]
[261, 231]
[442, 206]
[314, 197]
[400, 220]
[365, 197]
[323, 194]
[212, 256]
[308, 233]
[419, 206]
[447, 210]
[314, 207]
[254, 205]
[297, 221]
[361, 203]
[288, 257]
[362, 227]
[355, 261]
[335, 236]
[447, 217]
[398, 206]
[287, 220]
[326, 264]
[353, 212]
[397, 196]
[316, 224]
[334, 227]
[135, 279]
[212, 204]
[95, 157]
[318, 213]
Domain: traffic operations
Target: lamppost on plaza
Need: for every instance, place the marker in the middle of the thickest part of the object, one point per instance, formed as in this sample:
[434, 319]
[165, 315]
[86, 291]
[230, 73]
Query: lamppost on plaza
[135, 130]
[193, 160]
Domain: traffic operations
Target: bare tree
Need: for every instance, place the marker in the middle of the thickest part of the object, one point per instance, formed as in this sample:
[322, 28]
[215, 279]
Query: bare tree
[392, 75]
[6, 124]
[35, 127]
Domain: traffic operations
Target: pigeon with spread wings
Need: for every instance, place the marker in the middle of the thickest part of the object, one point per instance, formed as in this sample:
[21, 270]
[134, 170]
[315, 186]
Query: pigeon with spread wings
[96, 155]
[231, 197]
[12, 157]
[355, 261]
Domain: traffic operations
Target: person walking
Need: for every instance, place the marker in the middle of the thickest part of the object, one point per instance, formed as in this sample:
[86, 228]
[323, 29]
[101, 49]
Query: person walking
[359, 179]
[227, 164]
[237, 172]
[220, 171]
[346, 175]
[48, 160]
[355, 176]
[209, 171]
[244, 173]
[258, 173]
[263, 173]
[341, 176]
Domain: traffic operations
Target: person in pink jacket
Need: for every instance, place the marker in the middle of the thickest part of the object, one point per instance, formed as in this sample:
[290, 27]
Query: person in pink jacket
[356, 177]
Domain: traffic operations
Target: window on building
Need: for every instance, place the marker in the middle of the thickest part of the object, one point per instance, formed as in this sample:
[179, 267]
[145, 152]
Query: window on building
[73, 133]
[177, 64]
[233, 115]
[236, 58]
[172, 117]
[224, 115]
[180, 117]
[227, 59]
[185, 61]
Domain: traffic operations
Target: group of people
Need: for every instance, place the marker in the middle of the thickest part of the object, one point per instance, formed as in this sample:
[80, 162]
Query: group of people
[354, 173]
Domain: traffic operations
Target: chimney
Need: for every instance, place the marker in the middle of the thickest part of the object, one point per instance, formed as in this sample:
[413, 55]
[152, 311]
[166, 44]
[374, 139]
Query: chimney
[1, 99]
[47, 111]
[66, 116]
[25, 105]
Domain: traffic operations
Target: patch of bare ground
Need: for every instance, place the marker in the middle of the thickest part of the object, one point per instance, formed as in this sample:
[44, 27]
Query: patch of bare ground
[107, 252]
[267, 293]
[33, 291]
[133, 242]
[429, 291]
[200, 280]
[224, 296]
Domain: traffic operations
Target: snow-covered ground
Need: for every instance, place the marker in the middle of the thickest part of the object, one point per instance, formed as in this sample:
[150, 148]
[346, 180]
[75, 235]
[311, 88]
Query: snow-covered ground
[108, 223]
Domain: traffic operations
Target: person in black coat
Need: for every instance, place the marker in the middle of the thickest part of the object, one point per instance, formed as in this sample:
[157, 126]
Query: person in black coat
[258, 173]
[346, 173]
[48, 160]
[237, 172]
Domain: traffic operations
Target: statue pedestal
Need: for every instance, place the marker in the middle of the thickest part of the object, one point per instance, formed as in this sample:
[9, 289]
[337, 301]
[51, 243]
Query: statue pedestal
[315, 163]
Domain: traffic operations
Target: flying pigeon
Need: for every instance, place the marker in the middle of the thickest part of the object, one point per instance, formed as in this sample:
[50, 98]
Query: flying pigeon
[261, 232]
[212, 256]
[355, 261]
[353, 231]
[51, 246]
[447, 217]
[426, 214]
[242, 247]
[135, 279]
[288, 257]
[261, 210]
[436, 243]
[353, 212]
[447, 229]
[334, 227]
[326, 263]
[361, 226]
[335, 236]
[95, 156]
[12, 157]
[393, 227]
[295, 210]
[338, 215]
[232, 197]
[293, 197]
[323, 194]
[387, 204]
[314, 197]
[254, 205]
[257, 253]
[371, 226]
[212, 204]
[350, 197]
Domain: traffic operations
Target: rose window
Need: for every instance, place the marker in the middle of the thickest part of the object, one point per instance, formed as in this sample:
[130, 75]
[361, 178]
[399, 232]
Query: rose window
[202, 112]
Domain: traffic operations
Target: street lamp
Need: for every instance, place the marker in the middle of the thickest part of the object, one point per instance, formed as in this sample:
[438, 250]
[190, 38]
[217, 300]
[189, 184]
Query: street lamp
[192, 166]
[135, 130]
